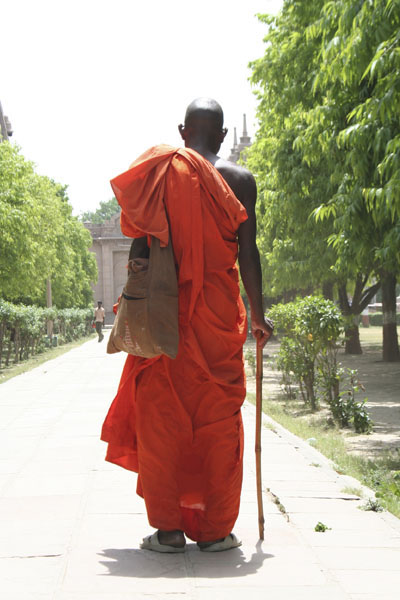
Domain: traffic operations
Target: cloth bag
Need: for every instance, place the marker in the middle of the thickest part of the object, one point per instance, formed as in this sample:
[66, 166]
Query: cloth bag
[146, 323]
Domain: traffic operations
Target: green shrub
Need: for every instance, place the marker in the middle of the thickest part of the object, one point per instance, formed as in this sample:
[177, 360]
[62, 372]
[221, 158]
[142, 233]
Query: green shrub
[345, 408]
[23, 328]
[311, 327]
[307, 359]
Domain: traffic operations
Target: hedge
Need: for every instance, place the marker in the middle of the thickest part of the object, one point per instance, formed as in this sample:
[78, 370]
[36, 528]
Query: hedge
[23, 329]
[377, 319]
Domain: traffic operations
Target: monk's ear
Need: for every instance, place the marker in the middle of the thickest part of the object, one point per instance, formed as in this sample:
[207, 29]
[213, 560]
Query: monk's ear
[223, 133]
[181, 129]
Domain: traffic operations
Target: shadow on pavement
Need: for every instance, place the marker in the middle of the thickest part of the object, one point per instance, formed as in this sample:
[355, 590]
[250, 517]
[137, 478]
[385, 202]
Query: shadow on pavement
[128, 562]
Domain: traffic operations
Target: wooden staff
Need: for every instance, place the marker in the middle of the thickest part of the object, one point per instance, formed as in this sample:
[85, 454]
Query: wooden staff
[259, 377]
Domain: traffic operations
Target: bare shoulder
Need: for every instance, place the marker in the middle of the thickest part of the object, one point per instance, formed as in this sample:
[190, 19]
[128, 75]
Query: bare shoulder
[238, 178]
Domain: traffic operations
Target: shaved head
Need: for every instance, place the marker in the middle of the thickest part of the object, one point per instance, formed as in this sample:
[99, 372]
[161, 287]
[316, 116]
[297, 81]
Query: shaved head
[203, 129]
[204, 112]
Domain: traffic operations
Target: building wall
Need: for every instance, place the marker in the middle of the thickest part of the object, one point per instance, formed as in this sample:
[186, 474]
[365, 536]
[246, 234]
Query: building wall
[111, 248]
[119, 270]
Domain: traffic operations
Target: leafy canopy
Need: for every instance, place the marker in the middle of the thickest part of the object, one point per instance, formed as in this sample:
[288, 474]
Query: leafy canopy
[40, 238]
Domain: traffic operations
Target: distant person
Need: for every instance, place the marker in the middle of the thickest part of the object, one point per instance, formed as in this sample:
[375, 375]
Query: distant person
[99, 317]
[177, 423]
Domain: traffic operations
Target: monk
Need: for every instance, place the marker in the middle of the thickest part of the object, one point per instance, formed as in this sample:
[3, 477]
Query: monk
[177, 423]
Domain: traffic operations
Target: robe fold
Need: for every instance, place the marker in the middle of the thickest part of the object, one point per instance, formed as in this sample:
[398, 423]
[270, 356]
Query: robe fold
[177, 423]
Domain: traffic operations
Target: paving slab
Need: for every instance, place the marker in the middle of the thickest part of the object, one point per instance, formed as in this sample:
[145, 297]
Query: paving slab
[370, 582]
[71, 524]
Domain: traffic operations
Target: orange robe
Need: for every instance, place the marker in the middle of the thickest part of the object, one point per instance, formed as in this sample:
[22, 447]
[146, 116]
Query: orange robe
[178, 422]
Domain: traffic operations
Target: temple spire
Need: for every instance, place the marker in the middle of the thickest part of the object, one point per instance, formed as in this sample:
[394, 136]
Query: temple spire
[244, 142]
[244, 126]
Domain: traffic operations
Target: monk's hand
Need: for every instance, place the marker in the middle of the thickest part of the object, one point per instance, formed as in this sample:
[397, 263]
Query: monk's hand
[262, 330]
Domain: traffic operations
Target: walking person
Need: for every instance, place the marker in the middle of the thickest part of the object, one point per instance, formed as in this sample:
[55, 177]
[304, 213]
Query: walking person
[99, 318]
[177, 422]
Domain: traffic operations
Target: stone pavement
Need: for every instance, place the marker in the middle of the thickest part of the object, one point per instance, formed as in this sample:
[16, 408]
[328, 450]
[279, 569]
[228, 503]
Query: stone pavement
[71, 524]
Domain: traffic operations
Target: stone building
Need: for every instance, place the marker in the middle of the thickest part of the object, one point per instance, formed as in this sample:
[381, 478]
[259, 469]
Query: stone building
[112, 247]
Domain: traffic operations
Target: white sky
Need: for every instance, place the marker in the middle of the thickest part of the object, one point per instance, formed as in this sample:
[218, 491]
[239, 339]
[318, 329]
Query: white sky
[88, 85]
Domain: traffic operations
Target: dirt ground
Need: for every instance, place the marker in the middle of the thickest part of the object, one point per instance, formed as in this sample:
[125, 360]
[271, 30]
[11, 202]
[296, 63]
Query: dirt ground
[382, 390]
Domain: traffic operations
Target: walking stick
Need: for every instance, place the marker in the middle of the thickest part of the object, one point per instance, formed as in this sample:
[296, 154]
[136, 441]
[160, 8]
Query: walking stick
[259, 377]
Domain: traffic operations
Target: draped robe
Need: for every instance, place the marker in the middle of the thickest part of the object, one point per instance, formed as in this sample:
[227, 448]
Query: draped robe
[177, 423]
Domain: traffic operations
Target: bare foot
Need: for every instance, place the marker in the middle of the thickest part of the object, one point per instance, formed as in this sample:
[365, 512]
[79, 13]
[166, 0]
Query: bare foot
[173, 538]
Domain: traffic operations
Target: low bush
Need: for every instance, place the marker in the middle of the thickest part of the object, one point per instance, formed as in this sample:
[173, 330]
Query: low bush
[346, 409]
[23, 329]
[311, 329]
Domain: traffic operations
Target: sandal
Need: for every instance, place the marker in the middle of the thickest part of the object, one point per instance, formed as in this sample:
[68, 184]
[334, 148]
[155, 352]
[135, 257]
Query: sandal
[151, 542]
[231, 541]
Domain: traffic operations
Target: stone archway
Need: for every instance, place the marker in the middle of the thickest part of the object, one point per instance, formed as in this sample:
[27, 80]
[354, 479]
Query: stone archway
[111, 249]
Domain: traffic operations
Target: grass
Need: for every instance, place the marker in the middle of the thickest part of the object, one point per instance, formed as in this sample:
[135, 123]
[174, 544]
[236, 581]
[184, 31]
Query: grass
[373, 505]
[353, 491]
[372, 336]
[382, 475]
[13, 370]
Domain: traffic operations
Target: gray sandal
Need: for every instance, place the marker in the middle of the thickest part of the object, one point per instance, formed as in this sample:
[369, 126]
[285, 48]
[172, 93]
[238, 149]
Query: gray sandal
[151, 542]
[231, 541]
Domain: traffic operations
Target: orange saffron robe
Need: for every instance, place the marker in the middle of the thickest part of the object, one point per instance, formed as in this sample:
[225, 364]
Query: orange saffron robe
[177, 423]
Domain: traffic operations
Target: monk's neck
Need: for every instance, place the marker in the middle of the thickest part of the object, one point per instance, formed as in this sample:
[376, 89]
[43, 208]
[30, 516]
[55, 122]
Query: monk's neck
[204, 151]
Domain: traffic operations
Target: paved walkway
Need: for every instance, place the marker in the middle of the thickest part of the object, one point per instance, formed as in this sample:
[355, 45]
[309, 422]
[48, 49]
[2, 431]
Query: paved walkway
[71, 524]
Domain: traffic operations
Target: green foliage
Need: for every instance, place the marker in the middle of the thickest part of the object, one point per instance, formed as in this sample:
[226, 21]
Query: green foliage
[358, 81]
[311, 327]
[327, 153]
[384, 477]
[308, 360]
[106, 210]
[373, 505]
[23, 328]
[345, 408]
[72, 323]
[321, 527]
[40, 238]
[294, 251]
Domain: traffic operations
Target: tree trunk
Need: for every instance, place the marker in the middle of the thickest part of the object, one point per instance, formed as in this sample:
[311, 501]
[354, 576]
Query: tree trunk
[327, 290]
[16, 344]
[2, 330]
[309, 383]
[352, 345]
[390, 341]
[351, 331]
[10, 345]
[351, 310]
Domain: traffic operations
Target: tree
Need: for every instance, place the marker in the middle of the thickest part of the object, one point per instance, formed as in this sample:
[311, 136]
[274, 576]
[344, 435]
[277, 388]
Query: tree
[325, 150]
[106, 210]
[77, 266]
[40, 238]
[294, 251]
[359, 74]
